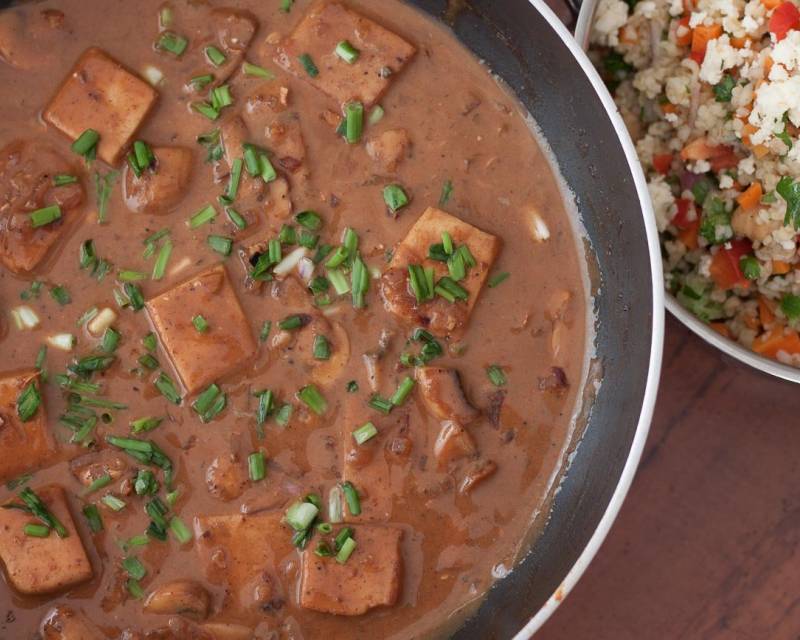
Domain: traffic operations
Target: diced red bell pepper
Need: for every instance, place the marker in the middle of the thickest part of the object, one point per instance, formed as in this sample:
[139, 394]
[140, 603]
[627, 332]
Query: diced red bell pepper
[725, 269]
[681, 218]
[662, 163]
[785, 18]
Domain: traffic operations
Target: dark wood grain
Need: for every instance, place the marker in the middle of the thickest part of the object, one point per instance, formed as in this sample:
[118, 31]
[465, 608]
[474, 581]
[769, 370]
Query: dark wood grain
[707, 545]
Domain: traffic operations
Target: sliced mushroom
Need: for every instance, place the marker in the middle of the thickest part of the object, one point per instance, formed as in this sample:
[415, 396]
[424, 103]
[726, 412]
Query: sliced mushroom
[476, 474]
[388, 149]
[64, 623]
[228, 631]
[184, 597]
[443, 395]
[453, 443]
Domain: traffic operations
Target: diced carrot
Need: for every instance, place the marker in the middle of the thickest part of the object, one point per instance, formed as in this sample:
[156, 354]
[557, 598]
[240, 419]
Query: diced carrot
[747, 131]
[628, 35]
[721, 328]
[760, 150]
[779, 267]
[725, 269]
[768, 62]
[662, 162]
[775, 340]
[752, 197]
[701, 36]
[668, 107]
[771, 4]
[740, 43]
[683, 33]
[766, 312]
[688, 236]
[785, 18]
[752, 322]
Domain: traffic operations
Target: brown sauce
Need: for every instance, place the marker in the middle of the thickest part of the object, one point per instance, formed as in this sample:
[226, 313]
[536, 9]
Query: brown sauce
[449, 485]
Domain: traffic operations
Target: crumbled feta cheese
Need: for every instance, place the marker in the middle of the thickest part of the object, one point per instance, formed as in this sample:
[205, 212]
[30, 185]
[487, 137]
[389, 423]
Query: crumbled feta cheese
[675, 8]
[697, 18]
[610, 16]
[725, 181]
[747, 166]
[787, 52]
[663, 202]
[720, 56]
[773, 99]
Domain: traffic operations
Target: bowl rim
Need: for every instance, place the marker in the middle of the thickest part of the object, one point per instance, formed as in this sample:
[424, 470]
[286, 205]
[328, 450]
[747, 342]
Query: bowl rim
[657, 330]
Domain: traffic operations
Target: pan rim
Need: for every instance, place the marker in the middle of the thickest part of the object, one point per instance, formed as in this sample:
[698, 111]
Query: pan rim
[657, 332]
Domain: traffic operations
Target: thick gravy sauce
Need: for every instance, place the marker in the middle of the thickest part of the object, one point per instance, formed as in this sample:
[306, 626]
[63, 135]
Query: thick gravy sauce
[449, 476]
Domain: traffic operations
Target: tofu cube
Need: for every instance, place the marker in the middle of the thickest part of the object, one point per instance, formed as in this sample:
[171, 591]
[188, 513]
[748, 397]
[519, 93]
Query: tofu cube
[383, 54]
[64, 623]
[438, 315]
[37, 566]
[26, 446]
[201, 358]
[101, 94]
[158, 191]
[244, 554]
[370, 578]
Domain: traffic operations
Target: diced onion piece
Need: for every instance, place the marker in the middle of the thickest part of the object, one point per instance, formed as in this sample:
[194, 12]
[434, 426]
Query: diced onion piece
[62, 341]
[285, 266]
[306, 269]
[539, 228]
[180, 266]
[97, 326]
[375, 272]
[153, 75]
[25, 317]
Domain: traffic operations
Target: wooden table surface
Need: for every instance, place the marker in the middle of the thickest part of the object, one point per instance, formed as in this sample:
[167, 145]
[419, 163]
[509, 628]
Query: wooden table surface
[707, 545]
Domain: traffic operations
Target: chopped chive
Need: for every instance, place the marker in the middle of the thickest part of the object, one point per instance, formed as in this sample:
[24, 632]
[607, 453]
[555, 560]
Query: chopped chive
[256, 466]
[308, 240]
[134, 296]
[450, 290]
[134, 588]
[44, 216]
[150, 342]
[346, 551]
[395, 197]
[201, 82]
[447, 192]
[286, 5]
[167, 388]
[110, 341]
[221, 97]
[259, 72]
[496, 375]
[215, 56]
[344, 534]
[205, 109]
[339, 281]
[321, 348]
[172, 42]
[400, 395]
[205, 215]
[359, 282]
[209, 403]
[337, 258]
[354, 122]
[142, 425]
[265, 329]
[28, 401]
[148, 361]
[179, 529]
[87, 256]
[308, 65]
[300, 515]
[251, 161]
[352, 498]
[381, 404]
[365, 433]
[200, 323]
[311, 220]
[376, 115]
[221, 244]
[34, 505]
[36, 530]
[160, 266]
[266, 405]
[419, 283]
[86, 144]
[60, 294]
[313, 399]
[284, 414]
[113, 502]
[287, 235]
[103, 185]
[295, 321]
[236, 218]
[447, 243]
[41, 356]
[64, 179]
[134, 567]
[274, 251]
[145, 483]
[233, 183]
[498, 279]
[93, 518]
[268, 173]
[347, 52]
[143, 154]
[128, 275]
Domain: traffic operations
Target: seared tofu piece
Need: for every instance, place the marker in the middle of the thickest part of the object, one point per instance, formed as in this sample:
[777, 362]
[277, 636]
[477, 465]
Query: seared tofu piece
[389, 149]
[244, 553]
[37, 566]
[383, 54]
[64, 623]
[443, 395]
[101, 94]
[201, 358]
[26, 446]
[234, 31]
[26, 184]
[370, 578]
[438, 315]
[161, 187]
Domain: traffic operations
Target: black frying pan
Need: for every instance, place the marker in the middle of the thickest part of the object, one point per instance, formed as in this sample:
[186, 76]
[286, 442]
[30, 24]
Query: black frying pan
[523, 43]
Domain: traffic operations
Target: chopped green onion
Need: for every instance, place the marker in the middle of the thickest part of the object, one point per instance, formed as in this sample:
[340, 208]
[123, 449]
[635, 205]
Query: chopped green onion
[110, 341]
[301, 515]
[266, 405]
[256, 466]
[86, 144]
[60, 294]
[400, 395]
[215, 56]
[296, 321]
[339, 281]
[37, 508]
[447, 192]
[205, 109]
[321, 348]
[395, 197]
[284, 414]
[145, 483]
[236, 218]
[127, 275]
[376, 115]
[450, 290]
[142, 425]
[113, 502]
[134, 568]
[347, 52]
[41, 356]
[308, 65]
[103, 186]
[205, 215]
[313, 399]
[381, 404]
[418, 282]
[44, 216]
[286, 5]
[351, 498]
[210, 403]
[64, 179]
[172, 42]
[160, 266]
[221, 244]
[134, 295]
[28, 401]
[359, 282]
[365, 433]
[287, 235]
[167, 388]
[325, 528]
[496, 375]
[265, 329]
[308, 240]
[233, 183]
[337, 258]
[346, 551]
[344, 534]
[200, 323]
[498, 279]
[150, 342]
[93, 518]
[179, 529]
[309, 219]
[36, 530]
[97, 484]
[354, 122]
[351, 386]
[259, 72]
[221, 97]
[134, 588]
[201, 82]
